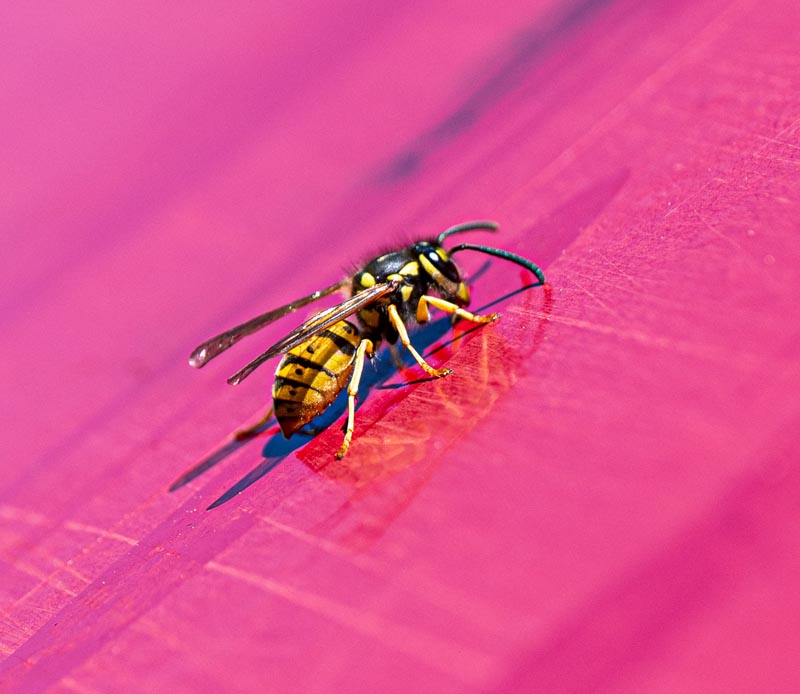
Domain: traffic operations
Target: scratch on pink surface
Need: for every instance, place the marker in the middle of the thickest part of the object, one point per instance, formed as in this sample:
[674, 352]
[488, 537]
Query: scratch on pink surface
[322, 543]
[100, 532]
[444, 596]
[44, 578]
[742, 360]
[17, 514]
[755, 154]
[74, 685]
[65, 566]
[458, 661]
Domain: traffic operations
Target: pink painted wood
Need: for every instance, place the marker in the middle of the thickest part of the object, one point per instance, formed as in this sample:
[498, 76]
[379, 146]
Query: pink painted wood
[603, 496]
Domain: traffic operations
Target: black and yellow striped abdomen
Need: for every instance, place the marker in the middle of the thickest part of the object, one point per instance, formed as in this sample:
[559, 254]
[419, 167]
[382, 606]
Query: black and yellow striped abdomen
[310, 376]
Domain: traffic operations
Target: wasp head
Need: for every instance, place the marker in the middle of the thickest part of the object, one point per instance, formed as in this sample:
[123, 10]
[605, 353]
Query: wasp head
[446, 276]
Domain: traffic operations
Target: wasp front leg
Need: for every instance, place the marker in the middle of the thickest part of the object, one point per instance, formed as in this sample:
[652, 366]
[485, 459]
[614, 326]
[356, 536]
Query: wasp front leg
[365, 349]
[400, 327]
[423, 315]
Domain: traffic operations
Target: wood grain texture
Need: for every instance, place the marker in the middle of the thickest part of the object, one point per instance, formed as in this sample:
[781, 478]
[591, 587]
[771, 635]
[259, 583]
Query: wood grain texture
[603, 496]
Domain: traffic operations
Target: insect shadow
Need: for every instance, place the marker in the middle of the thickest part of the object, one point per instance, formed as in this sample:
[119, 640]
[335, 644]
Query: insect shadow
[277, 448]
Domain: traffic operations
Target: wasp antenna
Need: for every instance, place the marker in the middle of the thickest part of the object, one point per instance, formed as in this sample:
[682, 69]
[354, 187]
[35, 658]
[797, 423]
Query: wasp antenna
[513, 257]
[466, 226]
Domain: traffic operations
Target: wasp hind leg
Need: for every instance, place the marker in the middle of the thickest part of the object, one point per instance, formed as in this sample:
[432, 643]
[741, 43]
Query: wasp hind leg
[423, 314]
[400, 327]
[364, 349]
[254, 430]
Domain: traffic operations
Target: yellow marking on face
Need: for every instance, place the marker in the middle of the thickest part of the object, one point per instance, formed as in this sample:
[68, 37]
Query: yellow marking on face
[411, 268]
[395, 277]
[443, 254]
[367, 280]
[429, 268]
[406, 291]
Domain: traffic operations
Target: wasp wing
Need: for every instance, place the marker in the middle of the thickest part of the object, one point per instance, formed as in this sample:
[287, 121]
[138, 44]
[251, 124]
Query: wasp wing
[205, 352]
[315, 325]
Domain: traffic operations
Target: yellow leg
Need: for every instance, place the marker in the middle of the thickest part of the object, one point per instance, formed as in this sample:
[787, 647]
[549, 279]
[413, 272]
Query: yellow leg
[423, 314]
[364, 349]
[400, 327]
[250, 432]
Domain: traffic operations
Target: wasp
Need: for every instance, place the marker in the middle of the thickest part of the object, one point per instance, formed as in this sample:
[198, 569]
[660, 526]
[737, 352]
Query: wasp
[327, 352]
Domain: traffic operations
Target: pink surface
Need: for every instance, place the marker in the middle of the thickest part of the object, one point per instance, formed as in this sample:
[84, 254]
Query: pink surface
[602, 498]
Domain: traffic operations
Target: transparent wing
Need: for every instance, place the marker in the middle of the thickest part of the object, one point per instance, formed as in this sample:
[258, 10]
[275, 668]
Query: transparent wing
[205, 352]
[315, 325]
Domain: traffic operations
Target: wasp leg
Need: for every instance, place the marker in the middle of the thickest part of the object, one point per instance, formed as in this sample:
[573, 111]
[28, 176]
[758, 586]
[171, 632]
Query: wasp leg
[364, 349]
[423, 314]
[400, 327]
[255, 430]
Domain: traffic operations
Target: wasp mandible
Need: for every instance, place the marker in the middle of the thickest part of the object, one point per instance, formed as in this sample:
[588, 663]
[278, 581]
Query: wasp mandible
[326, 353]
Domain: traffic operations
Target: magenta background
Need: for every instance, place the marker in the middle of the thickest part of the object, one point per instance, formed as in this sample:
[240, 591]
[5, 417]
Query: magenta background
[604, 497]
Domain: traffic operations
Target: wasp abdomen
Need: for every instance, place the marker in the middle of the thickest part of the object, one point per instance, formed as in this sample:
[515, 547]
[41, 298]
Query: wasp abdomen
[311, 375]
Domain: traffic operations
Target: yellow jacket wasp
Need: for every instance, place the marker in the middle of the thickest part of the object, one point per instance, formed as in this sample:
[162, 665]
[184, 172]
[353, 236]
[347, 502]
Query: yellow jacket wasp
[327, 352]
